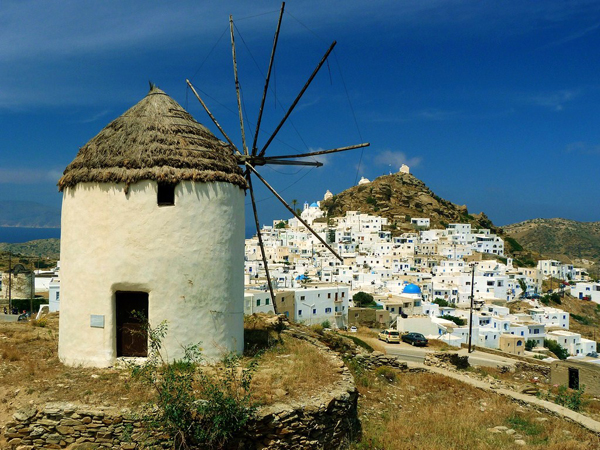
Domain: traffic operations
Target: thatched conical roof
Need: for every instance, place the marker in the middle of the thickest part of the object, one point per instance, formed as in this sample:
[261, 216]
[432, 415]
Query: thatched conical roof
[154, 140]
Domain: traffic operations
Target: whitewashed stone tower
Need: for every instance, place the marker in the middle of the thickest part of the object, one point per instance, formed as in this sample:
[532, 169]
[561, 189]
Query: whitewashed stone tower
[152, 226]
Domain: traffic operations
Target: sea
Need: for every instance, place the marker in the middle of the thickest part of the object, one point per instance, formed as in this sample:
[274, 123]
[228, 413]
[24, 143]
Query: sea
[16, 235]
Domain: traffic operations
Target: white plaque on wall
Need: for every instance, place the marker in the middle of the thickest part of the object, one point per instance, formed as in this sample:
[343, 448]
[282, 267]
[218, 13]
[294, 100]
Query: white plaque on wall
[96, 321]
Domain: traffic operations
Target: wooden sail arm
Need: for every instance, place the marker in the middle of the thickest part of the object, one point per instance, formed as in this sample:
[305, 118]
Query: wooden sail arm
[258, 161]
[267, 79]
[298, 97]
[320, 152]
[249, 166]
[237, 87]
[260, 242]
[213, 118]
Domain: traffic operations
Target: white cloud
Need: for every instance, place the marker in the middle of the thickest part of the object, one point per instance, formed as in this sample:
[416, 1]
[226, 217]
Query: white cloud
[555, 100]
[325, 159]
[395, 160]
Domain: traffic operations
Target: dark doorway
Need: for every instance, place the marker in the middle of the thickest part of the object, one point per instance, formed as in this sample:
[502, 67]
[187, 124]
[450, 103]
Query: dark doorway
[132, 320]
[573, 378]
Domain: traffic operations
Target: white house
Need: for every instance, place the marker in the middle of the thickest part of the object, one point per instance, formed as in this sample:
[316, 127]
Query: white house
[257, 302]
[421, 221]
[589, 290]
[317, 303]
[573, 342]
[54, 294]
[550, 317]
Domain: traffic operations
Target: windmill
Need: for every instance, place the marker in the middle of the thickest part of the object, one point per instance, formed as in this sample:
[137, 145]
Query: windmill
[251, 157]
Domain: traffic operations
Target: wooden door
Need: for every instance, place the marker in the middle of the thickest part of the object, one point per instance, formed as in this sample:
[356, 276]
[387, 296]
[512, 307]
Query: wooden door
[132, 321]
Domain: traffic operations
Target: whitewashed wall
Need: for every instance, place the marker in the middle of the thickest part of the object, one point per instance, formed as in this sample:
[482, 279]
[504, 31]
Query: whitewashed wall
[189, 258]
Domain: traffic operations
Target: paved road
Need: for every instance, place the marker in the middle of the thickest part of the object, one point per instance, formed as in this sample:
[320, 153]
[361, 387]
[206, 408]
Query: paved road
[407, 353]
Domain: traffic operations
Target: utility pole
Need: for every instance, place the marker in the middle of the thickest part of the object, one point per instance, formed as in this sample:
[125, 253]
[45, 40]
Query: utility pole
[471, 309]
[31, 292]
[10, 282]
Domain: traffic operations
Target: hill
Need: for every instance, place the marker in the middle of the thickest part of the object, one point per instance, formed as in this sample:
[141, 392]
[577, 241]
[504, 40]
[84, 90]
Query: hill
[46, 248]
[28, 214]
[41, 253]
[400, 197]
[562, 239]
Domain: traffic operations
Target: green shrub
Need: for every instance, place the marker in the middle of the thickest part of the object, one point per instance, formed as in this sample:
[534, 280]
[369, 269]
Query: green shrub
[196, 406]
[362, 299]
[585, 320]
[514, 245]
[530, 344]
[441, 302]
[556, 348]
[360, 343]
[326, 324]
[371, 201]
[569, 398]
[457, 320]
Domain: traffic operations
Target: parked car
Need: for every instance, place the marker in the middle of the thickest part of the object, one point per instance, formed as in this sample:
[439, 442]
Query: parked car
[353, 329]
[389, 336]
[414, 339]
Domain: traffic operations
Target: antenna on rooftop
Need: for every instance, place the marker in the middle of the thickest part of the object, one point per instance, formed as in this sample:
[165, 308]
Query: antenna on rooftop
[252, 157]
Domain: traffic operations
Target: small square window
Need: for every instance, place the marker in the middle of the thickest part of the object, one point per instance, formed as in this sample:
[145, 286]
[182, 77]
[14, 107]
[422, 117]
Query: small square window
[166, 194]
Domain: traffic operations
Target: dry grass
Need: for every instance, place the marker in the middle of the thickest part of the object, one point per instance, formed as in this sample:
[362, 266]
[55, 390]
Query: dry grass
[370, 337]
[292, 370]
[429, 411]
[31, 371]
[439, 346]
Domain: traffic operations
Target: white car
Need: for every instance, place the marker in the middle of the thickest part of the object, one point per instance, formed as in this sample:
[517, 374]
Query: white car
[353, 329]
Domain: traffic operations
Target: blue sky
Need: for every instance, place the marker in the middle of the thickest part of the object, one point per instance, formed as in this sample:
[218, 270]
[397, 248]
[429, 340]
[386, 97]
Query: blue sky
[492, 104]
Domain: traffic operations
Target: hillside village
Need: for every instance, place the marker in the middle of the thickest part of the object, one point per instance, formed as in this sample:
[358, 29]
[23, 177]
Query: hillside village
[420, 281]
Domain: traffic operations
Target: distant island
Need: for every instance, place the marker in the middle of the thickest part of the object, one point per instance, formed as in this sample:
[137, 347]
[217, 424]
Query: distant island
[22, 214]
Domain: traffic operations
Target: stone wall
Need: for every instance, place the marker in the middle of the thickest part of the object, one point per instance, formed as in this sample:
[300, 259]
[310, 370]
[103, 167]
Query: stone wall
[326, 421]
[21, 286]
[588, 375]
[451, 361]
[525, 359]
[61, 425]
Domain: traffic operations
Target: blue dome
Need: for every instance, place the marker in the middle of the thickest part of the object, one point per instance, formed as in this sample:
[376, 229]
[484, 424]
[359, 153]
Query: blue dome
[411, 289]
[314, 205]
